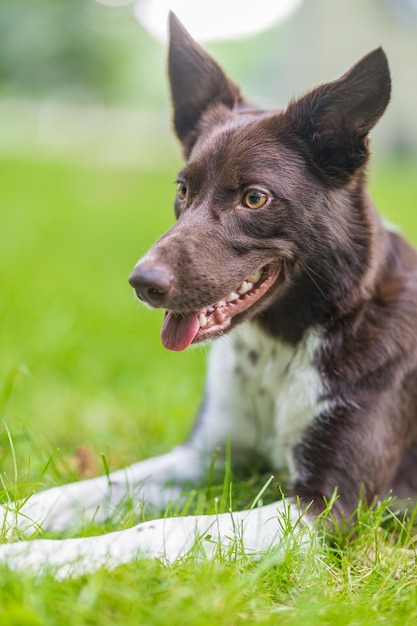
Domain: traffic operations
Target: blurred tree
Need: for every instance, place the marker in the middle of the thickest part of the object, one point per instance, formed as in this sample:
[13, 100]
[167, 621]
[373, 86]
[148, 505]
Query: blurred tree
[74, 49]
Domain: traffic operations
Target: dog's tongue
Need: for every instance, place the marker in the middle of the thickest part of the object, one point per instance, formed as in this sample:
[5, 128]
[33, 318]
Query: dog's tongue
[178, 331]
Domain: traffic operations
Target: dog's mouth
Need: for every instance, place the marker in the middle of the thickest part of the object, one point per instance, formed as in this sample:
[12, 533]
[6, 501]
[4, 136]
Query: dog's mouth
[180, 330]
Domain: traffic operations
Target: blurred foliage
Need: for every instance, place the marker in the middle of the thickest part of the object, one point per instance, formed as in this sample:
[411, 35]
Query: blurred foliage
[88, 52]
[76, 50]
[80, 360]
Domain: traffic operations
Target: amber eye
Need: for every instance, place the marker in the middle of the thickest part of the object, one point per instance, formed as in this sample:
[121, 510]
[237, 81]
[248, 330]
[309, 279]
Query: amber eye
[181, 191]
[254, 199]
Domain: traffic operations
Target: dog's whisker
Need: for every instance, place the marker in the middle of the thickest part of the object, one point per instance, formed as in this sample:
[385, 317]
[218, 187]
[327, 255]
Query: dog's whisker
[310, 273]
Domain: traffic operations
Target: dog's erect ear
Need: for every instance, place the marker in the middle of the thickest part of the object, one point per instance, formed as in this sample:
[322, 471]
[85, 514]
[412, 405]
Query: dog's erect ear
[334, 119]
[197, 82]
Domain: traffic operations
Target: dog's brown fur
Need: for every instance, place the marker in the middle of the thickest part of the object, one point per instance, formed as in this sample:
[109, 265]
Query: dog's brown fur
[341, 271]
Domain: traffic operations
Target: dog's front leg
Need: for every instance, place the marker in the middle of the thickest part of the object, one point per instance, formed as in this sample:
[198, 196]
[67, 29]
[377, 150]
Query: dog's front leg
[155, 481]
[229, 534]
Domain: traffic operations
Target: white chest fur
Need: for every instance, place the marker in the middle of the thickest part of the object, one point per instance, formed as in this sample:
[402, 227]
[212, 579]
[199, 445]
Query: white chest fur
[261, 394]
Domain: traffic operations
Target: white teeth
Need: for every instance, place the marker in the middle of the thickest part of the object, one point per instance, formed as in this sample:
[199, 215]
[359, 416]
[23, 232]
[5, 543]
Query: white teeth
[245, 287]
[253, 278]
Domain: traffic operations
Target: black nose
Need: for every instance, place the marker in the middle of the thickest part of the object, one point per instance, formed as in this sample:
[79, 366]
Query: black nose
[152, 284]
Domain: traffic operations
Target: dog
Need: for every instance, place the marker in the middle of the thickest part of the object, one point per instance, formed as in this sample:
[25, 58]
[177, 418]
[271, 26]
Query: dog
[279, 255]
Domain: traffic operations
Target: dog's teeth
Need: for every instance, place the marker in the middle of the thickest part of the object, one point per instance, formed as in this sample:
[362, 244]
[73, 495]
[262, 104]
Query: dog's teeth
[253, 278]
[245, 287]
[232, 296]
[220, 304]
[202, 319]
[210, 309]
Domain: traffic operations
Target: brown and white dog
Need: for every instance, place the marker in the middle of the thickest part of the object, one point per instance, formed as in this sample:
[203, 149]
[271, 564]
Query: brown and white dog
[279, 254]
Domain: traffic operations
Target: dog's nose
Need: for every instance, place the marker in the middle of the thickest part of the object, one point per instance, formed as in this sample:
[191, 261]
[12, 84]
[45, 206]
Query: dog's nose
[152, 284]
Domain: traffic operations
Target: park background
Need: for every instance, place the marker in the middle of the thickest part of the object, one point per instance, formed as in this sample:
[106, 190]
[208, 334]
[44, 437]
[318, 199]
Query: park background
[87, 164]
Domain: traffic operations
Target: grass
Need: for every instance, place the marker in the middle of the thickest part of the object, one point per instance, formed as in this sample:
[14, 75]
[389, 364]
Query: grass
[86, 384]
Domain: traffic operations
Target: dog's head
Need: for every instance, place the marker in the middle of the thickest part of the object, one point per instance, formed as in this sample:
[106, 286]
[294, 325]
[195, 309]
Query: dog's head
[270, 206]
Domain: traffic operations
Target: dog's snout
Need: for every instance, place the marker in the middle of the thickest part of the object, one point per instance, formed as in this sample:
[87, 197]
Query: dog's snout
[152, 284]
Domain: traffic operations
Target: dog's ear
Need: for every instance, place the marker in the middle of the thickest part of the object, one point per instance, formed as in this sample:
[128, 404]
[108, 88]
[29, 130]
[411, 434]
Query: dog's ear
[197, 82]
[335, 119]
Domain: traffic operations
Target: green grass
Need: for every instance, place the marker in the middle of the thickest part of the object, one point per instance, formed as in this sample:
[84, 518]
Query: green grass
[81, 366]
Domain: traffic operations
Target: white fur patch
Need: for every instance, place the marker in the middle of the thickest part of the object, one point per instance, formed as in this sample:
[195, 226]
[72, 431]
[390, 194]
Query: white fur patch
[261, 394]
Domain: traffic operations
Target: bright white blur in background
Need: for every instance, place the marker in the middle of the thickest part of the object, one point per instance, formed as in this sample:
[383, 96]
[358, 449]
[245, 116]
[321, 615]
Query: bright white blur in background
[51, 105]
[216, 19]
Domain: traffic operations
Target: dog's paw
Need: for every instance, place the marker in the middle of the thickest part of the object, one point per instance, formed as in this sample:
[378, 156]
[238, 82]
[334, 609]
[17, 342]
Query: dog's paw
[59, 558]
[38, 513]
[66, 558]
[68, 507]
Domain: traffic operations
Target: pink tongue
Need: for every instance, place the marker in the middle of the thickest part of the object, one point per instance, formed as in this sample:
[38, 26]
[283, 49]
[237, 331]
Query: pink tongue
[178, 331]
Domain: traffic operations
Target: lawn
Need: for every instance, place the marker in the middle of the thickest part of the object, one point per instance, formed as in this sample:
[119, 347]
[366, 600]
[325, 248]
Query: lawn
[85, 383]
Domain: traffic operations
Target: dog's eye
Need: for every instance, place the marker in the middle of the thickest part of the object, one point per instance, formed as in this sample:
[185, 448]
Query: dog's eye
[254, 199]
[181, 191]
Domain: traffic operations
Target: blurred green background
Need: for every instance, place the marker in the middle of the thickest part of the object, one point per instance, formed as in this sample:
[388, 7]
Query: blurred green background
[87, 160]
